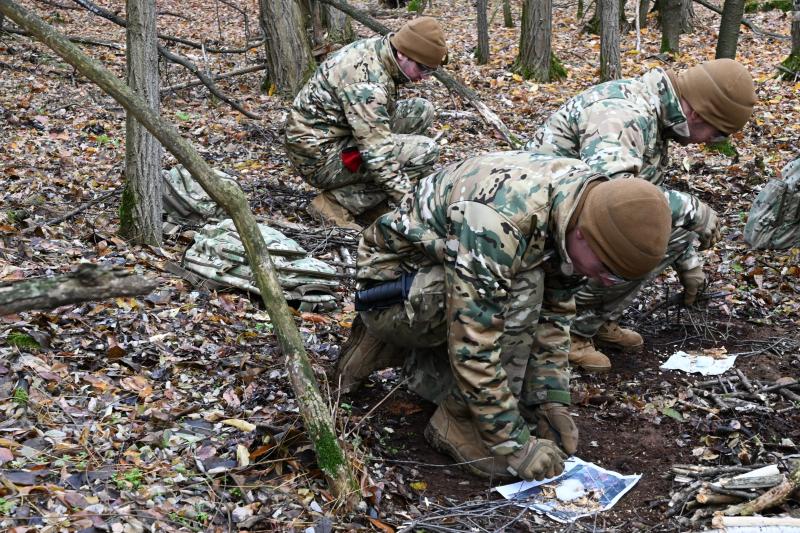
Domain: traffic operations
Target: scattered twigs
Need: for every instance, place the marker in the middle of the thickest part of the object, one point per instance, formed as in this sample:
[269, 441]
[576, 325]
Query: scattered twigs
[173, 57]
[73, 38]
[75, 211]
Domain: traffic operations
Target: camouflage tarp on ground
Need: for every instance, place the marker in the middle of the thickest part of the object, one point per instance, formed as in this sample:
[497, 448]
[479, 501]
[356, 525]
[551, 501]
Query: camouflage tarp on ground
[218, 254]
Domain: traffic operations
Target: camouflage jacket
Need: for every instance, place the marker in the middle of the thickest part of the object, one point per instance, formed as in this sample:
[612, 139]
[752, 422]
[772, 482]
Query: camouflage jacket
[497, 224]
[621, 128]
[349, 101]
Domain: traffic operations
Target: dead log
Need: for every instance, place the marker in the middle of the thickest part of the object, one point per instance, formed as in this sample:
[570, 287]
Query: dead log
[317, 418]
[87, 283]
[489, 116]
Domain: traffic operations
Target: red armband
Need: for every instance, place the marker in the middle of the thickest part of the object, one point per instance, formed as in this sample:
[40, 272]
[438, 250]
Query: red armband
[351, 159]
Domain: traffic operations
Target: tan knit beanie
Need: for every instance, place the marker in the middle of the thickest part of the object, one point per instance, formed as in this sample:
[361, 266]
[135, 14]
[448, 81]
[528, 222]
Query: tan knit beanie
[721, 91]
[422, 40]
[627, 223]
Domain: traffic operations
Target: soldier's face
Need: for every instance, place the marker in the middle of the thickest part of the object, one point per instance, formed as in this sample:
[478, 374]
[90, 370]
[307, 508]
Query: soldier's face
[413, 70]
[700, 131]
[586, 261]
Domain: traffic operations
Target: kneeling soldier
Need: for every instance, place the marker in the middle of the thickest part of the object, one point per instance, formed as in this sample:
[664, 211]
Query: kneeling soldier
[470, 279]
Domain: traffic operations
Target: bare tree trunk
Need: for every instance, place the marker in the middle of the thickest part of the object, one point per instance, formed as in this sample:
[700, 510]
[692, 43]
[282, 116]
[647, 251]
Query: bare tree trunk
[687, 16]
[535, 46]
[790, 67]
[670, 25]
[86, 284]
[340, 29]
[289, 58]
[482, 51]
[796, 29]
[732, 13]
[609, 40]
[508, 19]
[313, 408]
[644, 8]
[141, 206]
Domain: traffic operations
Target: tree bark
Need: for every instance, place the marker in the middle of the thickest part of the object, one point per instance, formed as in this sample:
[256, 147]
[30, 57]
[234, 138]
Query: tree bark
[732, 13]
[489, 116]
[670, 25]
[535, 48]
[687, 16]
[482, 51]
[141, 206]
[87, 283]
[774, 496]
[609, 40]
[508, 19]
[319, 425]
[644, 9]
[340, 29]
[289, 57]
[796, 29]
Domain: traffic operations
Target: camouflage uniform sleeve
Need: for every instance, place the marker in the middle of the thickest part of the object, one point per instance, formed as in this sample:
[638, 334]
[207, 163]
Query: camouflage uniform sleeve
[613, 140]
[366, 107]
[684, 208]
[482, 250]
[547, 375]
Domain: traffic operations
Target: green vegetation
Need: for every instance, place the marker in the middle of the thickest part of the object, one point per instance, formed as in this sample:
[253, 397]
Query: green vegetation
[790, 68]
[724, 148]
[415, 6]
[132, 479]
[183, 116]
[23, 341]
[20, 397]
[769, 5]
[5, 507]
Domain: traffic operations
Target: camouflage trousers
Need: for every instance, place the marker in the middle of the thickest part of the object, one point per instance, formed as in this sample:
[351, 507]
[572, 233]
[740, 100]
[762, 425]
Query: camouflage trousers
[597, 304]
[419, 325]
[357, 191]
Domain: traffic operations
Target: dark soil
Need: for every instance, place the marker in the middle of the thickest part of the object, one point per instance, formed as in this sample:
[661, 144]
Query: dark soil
[621, 429]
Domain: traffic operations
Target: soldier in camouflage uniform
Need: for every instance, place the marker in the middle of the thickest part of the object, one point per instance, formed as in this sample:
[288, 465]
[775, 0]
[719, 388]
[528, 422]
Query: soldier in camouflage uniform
[347, 133]
[621, 128]
[489, 247]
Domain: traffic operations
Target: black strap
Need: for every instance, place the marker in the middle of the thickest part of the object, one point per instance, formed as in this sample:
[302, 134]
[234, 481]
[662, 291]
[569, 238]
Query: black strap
[385, 294]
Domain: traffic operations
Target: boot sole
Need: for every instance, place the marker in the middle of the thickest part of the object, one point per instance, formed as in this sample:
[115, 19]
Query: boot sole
[619, 347]
[438, 443]
[594, 369]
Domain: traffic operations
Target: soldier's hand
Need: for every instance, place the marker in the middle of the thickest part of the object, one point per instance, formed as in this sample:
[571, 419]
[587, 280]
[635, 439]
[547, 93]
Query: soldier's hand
[538, 459]
[693, 281]
[553, 422]
[707, 226]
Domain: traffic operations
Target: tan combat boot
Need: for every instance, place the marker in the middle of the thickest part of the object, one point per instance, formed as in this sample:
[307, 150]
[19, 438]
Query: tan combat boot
[451, 431]
[583, 354]
[362, 353]
[610, 334]
[324, 208]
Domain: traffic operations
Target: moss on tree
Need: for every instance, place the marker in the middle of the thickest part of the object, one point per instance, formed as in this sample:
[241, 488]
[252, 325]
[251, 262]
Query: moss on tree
[126, 206]
[790, 70]
[329, 454]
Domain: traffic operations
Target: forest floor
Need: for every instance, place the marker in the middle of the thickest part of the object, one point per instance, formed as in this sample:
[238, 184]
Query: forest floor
[111, 413]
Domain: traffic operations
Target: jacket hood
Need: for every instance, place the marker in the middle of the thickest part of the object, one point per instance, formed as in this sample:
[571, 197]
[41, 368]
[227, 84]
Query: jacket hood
[669, 110]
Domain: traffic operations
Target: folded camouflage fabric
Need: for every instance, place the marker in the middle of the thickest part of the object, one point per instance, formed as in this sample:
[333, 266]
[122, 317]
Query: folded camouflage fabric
[218, 254]
[186, 201]
[774, 220]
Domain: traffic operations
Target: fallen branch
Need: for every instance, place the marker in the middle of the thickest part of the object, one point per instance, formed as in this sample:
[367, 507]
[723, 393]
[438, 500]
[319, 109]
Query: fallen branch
[89, 282]
[73, 39]
[489, 116]
[755, 29]
[175, 58]
[217, 77]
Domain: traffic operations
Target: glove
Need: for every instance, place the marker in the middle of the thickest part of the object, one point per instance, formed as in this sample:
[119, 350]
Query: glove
[706, 226]
[693, 281]
[553, 422]
[538, 459]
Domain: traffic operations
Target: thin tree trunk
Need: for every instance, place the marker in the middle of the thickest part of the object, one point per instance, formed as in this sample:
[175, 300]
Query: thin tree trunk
[508, 19]
[796, 29]
[670, 25]
[687, 16]
[86, 284]
[340, 29]
[319, 426]
[609, 40]
[482, 51]
[141, 206]
[732, 13]
[289, 57]
[535, 47]
[644, 8]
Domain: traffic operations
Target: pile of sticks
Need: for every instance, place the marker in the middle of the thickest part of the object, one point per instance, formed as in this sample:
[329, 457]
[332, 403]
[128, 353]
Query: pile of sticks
[737, 394]
[709, 491]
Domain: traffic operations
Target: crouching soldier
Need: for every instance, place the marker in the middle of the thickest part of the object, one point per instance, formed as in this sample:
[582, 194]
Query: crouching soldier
[348, 135]
[621, 128]
[479, 262]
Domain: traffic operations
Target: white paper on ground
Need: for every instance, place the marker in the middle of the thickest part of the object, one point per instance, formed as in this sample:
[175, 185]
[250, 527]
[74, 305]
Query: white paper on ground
[703, 364]
[603, 489]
